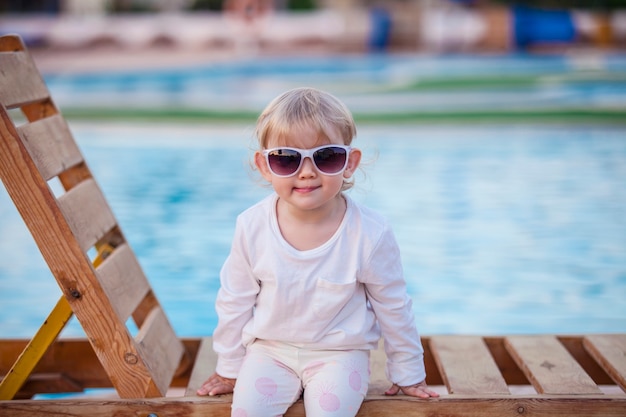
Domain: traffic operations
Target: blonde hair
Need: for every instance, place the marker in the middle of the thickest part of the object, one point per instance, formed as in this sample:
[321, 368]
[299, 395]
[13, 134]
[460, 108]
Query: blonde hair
[306, 107]
[301, 108]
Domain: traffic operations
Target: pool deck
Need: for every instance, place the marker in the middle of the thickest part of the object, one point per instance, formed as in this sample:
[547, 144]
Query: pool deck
[77, 44]
[102, 59]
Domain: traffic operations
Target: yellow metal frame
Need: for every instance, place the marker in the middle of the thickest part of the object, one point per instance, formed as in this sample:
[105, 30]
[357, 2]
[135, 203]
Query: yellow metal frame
[36, 348]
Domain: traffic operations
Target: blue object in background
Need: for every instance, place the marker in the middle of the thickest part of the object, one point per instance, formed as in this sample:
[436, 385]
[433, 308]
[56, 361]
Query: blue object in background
[381, 29]
[532, 26]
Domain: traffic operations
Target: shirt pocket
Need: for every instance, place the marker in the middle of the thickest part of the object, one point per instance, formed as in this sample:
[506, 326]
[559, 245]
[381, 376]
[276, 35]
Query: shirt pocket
[330, 297]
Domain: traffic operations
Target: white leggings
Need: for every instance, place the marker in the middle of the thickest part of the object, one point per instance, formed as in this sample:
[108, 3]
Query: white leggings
[274, 375]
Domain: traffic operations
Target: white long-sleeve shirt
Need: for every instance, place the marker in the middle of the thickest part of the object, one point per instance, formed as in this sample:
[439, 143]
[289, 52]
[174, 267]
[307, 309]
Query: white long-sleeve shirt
[340, 295]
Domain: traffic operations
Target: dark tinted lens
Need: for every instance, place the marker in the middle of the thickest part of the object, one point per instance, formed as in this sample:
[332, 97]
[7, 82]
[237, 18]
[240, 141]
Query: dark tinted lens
[330, 159]
[284, 161]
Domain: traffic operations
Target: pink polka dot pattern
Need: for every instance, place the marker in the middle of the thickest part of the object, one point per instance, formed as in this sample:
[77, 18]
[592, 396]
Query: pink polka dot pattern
[354, 380]
[266, 386]
[329, 402]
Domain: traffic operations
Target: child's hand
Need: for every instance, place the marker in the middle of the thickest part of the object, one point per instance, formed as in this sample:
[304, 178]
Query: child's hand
[420, 390]
[217, 385]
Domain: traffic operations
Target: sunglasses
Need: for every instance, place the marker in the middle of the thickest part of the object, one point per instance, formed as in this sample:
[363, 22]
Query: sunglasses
[328, 159]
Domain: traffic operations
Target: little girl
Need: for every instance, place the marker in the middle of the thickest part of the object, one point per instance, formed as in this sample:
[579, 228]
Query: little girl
[313, 279]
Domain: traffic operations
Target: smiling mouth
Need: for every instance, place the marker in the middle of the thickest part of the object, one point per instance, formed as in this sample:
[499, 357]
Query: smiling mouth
[305, 189]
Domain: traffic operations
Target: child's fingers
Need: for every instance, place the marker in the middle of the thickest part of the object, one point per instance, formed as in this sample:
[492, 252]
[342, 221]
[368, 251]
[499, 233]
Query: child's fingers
[216, 385]
[221, 389]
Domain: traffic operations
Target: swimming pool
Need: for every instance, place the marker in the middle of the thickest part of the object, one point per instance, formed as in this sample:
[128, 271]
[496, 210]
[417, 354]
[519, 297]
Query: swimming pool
[503, 228]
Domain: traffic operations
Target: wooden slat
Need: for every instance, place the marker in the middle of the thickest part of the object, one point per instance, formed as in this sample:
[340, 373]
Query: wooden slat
[146, 306]
[549, 366]
[87, 213]
[48, 383]
[376, 406]
[123, 280]
[610, 352]
[51, 145]
[160, 347]
[76, 359]
[20, 82]
[204, 366]
[466, 365]
[39, 110]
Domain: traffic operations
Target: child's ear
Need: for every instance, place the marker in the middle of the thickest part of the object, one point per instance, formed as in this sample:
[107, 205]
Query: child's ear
[354, 159]
[261, 163]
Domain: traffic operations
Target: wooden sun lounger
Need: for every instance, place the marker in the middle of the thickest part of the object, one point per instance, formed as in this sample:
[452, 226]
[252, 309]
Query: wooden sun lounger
[154, 372]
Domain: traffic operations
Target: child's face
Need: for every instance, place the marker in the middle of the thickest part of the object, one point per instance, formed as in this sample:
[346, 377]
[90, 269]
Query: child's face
[308, 188]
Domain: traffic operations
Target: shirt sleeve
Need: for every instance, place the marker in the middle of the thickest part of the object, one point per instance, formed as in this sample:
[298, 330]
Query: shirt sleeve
[387, 294]
[235, 304]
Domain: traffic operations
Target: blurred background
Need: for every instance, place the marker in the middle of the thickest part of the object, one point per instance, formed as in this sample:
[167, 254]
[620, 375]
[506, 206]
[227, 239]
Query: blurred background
[341, 25]
[494, 136]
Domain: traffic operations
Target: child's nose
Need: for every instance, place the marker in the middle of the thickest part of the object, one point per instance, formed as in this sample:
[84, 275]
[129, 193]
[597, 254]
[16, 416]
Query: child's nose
[307, 168]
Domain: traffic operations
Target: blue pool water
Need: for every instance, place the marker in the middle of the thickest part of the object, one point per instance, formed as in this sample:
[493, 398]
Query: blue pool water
[372, 83]
[503, 228]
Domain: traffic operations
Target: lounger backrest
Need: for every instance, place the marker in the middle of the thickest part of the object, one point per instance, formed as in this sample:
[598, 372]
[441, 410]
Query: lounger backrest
[74, 227]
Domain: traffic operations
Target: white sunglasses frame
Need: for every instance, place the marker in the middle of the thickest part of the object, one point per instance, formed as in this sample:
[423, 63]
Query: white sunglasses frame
[307, 153]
